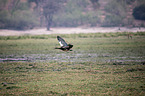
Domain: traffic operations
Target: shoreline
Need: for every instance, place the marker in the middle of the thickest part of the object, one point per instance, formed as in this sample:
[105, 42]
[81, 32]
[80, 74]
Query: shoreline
[76, 30]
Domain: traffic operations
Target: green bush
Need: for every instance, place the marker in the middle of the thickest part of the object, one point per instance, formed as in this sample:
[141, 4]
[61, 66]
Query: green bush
[139, 12]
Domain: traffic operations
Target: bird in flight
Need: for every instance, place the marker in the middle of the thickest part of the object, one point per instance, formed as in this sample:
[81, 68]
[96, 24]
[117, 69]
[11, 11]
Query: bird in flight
[63, 44]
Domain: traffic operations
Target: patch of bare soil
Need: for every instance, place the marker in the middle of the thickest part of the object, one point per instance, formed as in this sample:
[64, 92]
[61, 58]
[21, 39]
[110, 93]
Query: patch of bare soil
[5, 32]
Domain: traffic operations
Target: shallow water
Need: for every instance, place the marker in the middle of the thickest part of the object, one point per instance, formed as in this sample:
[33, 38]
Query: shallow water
[69, 57]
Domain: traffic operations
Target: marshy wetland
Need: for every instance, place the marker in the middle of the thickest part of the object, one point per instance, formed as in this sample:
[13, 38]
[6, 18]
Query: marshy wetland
[100, 64]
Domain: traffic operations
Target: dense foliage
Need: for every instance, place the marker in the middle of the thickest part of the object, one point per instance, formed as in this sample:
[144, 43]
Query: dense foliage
[139, 12]
[15, 14]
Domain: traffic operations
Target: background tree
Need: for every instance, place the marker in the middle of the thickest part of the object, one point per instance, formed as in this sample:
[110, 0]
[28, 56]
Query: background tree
[14, 6]
[116, 12]
[48, 8]
[17, 15]
[26, 14]
[38, 10]
[95, 4]
[2, 4]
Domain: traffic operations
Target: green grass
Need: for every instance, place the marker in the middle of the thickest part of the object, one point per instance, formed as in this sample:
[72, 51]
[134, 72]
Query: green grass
[80, 35]
[97, 66]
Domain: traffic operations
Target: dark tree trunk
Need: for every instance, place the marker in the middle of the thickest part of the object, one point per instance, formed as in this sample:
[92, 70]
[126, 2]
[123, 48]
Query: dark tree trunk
[50, 7]
[48, 18]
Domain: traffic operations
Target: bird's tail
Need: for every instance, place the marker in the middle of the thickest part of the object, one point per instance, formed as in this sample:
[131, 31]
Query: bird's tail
[56, 48]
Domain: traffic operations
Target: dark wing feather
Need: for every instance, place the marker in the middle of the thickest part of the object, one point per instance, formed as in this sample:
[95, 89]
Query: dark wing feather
[61, 41]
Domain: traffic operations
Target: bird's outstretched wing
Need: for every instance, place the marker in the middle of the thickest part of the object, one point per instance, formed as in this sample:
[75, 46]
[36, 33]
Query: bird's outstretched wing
[61, 41]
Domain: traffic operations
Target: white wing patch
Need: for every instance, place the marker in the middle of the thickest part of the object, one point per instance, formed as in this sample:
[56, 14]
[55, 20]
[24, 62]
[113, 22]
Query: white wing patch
[60, 43]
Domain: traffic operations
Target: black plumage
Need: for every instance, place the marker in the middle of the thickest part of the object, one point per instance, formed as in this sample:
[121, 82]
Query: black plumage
[63, 44]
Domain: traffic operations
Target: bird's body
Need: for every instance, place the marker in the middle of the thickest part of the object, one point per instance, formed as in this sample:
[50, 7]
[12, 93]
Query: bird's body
[63, 44]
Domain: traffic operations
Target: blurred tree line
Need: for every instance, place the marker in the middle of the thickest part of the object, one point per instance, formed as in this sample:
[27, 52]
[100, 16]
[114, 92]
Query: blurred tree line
[27, 14]
[16, 15]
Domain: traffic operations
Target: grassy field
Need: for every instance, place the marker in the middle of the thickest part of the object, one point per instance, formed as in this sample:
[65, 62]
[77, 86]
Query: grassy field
[101, 64]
